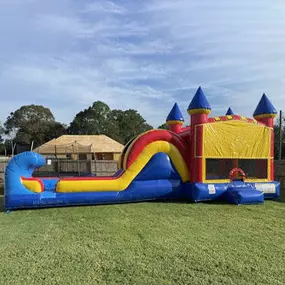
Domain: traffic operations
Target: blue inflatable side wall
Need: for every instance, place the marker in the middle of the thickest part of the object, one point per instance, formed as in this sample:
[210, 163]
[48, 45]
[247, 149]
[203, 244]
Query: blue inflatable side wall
[21, 165]
[158, 180]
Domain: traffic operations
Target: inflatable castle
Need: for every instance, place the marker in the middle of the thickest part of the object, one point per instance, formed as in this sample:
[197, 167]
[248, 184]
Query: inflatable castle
[228, 158]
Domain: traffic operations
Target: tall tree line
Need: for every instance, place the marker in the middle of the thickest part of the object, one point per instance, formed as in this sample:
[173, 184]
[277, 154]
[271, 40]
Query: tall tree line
[33, 125]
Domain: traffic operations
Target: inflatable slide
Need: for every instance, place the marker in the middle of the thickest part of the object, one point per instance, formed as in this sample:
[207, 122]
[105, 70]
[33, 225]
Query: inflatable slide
[227, 158]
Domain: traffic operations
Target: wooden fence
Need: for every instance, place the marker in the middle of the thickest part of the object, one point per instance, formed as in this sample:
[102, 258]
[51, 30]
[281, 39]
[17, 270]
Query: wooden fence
[2, 171]
[78, 168]
[73, 168]
[279, 171]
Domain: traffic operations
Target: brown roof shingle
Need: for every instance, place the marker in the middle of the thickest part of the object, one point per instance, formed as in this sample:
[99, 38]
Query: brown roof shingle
[80, 144]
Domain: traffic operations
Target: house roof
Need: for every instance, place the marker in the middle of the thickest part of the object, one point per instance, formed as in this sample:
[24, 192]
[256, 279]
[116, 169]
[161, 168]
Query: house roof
[175, 114]
[80, 144]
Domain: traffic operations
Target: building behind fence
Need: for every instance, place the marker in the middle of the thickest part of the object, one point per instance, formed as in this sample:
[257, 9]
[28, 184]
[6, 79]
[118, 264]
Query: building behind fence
[82, 147]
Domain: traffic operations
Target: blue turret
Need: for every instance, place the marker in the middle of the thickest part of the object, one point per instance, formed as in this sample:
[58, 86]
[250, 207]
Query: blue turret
[199, 104]
[265, 112]
[175, 114]
[264, 109]
[175, 119]
[230, 112]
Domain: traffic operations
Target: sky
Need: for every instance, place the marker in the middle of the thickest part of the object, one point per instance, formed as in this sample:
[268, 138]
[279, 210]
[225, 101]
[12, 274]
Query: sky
[143, 55]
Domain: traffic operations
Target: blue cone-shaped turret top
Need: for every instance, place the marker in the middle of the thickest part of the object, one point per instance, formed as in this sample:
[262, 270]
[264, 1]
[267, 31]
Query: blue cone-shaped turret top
[230, 112]
[175, 114]
[265, 107]
[199, 103]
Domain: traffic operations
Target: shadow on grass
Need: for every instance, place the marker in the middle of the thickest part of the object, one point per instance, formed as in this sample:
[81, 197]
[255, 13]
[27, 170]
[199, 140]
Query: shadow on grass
[206, 202]
[185, 201]
[281, 199]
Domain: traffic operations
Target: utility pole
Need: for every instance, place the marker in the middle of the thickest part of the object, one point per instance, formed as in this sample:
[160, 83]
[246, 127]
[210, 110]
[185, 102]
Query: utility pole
[32, 145]
[280, 135]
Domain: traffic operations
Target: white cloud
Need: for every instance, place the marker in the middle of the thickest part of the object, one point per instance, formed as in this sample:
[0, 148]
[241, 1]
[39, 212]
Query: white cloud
[104, 7]
[143, 55]
[65, 25]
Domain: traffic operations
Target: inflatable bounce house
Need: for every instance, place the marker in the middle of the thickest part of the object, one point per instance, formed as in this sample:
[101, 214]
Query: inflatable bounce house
[228, 158]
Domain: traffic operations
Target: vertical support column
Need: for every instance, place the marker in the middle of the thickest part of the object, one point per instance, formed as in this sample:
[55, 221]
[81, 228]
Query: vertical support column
[265, 113]
[196, 155]
[271, 161]
[269, 122]
[198, 109]
[175, 126]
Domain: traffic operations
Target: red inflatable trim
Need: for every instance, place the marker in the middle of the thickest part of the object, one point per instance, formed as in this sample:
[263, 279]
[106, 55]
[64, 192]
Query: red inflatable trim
[152, 136]
[233, 171]
[92, 178]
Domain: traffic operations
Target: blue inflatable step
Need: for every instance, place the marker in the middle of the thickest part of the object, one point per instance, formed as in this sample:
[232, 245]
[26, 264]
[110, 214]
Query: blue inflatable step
[240, 196]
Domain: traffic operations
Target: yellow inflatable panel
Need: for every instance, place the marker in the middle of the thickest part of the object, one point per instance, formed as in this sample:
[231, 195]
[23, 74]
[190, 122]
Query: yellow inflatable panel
[32, 185]
[122, 182]
[236, 139]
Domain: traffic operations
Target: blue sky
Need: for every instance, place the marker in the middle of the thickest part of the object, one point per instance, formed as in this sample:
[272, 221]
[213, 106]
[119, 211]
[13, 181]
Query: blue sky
[145, 55]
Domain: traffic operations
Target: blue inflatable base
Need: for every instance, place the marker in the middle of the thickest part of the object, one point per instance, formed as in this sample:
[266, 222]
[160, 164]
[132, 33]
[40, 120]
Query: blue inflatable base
[244, 196]
[137, 191]
[244, 193]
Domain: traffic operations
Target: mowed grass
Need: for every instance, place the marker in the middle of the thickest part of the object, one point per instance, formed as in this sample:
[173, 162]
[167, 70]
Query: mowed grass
[145, 243]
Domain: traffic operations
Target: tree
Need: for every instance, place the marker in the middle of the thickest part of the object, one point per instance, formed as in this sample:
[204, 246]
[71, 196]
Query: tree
[92, 121]
[163, 126]
[1, 132]
[31, 123]
[2, 147]
[277, 138]
[117, 124]
[129, 124]
[55, 130]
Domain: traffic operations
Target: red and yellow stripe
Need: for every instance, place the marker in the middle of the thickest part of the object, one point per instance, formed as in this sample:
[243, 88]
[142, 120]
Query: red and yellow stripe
[33, 184]
[199, 111]
[265, 116]
[231, 117]
[174, 122]
[122, 182]
[143, 140]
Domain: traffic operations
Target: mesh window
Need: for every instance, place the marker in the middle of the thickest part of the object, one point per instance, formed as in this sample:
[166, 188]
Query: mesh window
[220, 168]
[254, 168]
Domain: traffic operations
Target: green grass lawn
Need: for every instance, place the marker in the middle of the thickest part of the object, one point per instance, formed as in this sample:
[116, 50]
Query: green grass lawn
[145, 243]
